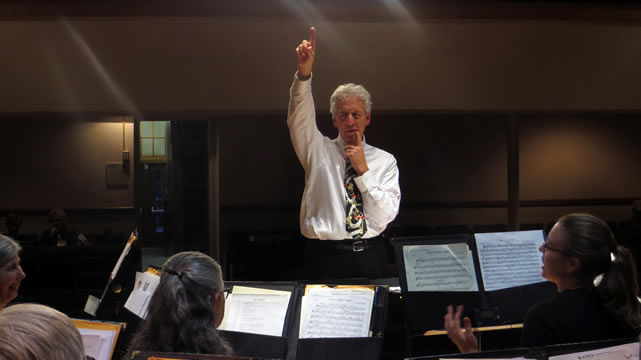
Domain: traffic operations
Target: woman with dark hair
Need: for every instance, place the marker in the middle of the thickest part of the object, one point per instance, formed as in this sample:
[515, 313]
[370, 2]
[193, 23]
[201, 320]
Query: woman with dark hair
[11, 274]
[597, 290]
[186, 308]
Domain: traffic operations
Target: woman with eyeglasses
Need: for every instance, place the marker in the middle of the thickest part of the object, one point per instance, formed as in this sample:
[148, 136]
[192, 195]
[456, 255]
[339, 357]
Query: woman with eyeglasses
[597, 290]
[186, 308]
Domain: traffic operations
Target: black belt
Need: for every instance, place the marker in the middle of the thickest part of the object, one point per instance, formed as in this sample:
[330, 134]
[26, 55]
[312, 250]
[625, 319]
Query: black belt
[351, 244]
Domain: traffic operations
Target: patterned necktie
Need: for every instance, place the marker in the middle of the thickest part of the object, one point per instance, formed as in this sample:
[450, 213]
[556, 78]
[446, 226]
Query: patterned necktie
[355, 221]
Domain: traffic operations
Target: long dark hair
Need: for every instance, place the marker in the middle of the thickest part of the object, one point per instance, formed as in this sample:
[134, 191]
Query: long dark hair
[181, 317]
[592, 242]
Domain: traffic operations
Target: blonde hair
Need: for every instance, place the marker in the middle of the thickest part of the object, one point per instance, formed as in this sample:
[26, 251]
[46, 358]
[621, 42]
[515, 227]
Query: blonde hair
[33, 332]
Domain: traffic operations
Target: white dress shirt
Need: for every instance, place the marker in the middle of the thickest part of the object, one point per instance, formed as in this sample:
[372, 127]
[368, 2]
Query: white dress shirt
[322, 211]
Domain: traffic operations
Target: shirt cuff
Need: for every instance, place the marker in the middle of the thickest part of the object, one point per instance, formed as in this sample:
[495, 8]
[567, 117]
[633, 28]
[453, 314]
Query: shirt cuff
[298, 79]
[301, 86]
[363, 181]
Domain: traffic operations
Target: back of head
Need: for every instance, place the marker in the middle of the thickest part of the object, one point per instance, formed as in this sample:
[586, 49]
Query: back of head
[604, 264]
[181, 316]
[35, 332]
[8, 249]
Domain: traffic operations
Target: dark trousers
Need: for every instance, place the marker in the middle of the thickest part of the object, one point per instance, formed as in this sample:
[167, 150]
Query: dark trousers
[335, 259]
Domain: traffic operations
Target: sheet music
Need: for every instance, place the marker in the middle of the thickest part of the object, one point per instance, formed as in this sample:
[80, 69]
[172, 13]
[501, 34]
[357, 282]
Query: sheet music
[256, 311]
[510, 259]
[446, 267]
[620, 352]
[91, 343]
[98, 343]
[252, 290]
[336, 312]
[514, 358]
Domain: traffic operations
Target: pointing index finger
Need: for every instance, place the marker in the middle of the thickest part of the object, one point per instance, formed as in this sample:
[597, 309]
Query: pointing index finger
[312, 37]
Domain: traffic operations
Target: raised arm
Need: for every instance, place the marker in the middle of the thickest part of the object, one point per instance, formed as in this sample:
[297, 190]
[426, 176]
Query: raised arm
[301, 116]
[305, 54]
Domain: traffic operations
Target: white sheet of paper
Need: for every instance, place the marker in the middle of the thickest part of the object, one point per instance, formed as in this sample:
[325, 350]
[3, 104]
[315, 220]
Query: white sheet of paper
[336, 312]
[256, 313]
[509, 259]
[514, 358]
[91, 343]
[447, 267]
[97, 343]
[253, 290]
[620, 352]
[138, 300]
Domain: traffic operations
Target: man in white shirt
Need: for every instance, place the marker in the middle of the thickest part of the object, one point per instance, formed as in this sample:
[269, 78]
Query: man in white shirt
[340, 246]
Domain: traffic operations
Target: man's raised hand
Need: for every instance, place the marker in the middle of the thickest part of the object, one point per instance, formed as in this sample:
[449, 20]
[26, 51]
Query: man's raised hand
[305, 54]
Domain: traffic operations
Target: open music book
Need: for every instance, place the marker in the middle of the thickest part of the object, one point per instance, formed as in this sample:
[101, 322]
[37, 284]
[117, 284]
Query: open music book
[506, 259]
[256, 310]
[336, 312]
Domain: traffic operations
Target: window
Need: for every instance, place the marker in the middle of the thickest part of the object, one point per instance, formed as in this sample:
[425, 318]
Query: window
[153, 141]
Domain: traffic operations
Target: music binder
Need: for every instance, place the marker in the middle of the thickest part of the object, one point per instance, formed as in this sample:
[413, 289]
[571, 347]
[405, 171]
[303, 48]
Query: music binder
[265, 346]
[99, 337]
[290, 346]
[352, 347]
[427, 265]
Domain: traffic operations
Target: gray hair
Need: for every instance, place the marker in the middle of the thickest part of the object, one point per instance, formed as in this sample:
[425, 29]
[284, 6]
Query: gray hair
[348, 90]
[8, 249]
[33, 331]
[181, 317]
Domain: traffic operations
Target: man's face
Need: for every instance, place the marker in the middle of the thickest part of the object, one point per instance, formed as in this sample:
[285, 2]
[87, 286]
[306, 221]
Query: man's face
[351, 119]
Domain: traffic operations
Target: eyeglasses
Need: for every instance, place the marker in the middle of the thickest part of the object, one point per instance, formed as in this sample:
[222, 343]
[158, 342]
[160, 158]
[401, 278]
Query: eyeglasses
[547, 247]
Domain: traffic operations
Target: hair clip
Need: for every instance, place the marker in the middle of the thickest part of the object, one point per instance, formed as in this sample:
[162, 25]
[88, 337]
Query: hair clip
[174, 272]
[597, 280]
[612, 257]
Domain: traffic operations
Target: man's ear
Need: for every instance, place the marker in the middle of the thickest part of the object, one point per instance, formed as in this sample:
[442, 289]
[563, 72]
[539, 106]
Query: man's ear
[368, 119]
[334, 122]
[219, 307]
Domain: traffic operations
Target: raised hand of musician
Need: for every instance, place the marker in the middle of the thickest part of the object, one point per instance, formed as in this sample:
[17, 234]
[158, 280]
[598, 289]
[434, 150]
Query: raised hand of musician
[463, 339]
